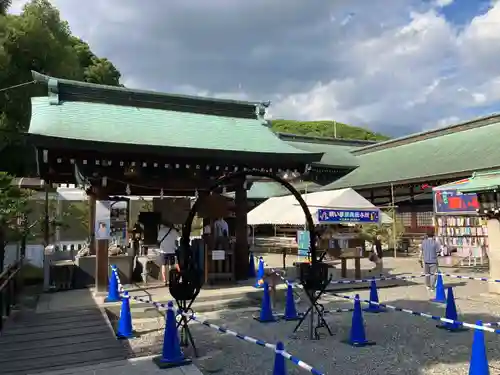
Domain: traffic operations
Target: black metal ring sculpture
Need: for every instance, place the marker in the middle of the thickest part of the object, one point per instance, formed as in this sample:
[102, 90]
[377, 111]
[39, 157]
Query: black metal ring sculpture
[186, 283]
[186, 229]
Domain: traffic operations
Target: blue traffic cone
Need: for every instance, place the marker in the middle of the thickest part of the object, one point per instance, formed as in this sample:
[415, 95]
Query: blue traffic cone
[290, 310]
[266, 314]
[478, 359]
[113, 293]
[251, 266]
[279, 361]
[374, 308]
[260, 274]
[451, 313]
[124, 330]
[440, 294]
[171, 354]
[357, 336]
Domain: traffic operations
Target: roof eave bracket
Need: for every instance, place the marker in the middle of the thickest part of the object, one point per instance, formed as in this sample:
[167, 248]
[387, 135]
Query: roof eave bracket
[53, 91]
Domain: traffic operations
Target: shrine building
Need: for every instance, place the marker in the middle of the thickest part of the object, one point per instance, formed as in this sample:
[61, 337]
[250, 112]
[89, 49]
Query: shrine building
[116, 141]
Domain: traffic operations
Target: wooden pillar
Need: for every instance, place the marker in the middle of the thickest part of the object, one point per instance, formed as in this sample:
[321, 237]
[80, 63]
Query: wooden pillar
[91, 228]
[241, 248]
[414, 221]
[101, 266]
[413, 211]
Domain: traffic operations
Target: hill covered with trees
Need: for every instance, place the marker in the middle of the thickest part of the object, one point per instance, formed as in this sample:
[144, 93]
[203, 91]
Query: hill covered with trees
[325, 129]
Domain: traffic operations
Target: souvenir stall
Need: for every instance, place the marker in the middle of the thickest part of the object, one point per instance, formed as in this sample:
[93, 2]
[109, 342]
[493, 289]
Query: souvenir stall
[459, 229]
[336, 213]
[341, 237]
[486, 185]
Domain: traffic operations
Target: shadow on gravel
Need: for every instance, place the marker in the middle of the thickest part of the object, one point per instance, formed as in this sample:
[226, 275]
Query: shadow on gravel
[406, 344]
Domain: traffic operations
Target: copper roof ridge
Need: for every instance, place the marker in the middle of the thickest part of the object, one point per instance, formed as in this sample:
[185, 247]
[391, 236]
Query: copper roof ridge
[429, 134]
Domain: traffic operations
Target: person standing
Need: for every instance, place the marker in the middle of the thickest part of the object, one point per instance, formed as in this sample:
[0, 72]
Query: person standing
[429, 250]
[377, 247]
[167, 240]
[221, 228]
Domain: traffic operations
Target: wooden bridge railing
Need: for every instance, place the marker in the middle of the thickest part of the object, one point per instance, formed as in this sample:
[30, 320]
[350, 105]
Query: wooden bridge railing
[10, 286]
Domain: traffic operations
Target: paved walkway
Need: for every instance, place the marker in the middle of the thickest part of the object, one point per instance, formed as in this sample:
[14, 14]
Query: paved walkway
[58, 340]
[135, 366]
[69, 333]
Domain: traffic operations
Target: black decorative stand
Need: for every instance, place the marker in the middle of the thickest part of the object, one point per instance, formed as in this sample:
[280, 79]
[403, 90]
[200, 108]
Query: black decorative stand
[315, 280]
[184, 286]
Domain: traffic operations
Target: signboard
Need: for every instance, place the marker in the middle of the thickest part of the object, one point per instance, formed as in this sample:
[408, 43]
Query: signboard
[102, 220]
[303, 242]
[452, 201]
[348, 216]
[218, 255]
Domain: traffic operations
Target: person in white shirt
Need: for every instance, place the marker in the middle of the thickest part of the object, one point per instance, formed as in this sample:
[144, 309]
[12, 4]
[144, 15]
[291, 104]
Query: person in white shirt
[221, 228]
[167, 238]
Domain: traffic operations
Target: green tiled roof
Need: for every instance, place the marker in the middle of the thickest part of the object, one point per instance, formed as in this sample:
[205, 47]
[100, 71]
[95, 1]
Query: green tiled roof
[337, 152]
[334, 155]
[131, 125]
[482, 182]
[268, 189]
[458, 149]
[97, 113]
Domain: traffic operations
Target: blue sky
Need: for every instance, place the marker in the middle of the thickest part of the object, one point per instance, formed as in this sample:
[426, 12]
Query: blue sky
[462, 12]
[394, 66]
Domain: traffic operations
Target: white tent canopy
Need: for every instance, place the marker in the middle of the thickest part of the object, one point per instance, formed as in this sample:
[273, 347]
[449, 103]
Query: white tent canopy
[287, 211]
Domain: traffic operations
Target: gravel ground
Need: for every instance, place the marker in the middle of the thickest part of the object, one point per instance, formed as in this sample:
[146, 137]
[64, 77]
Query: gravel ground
[405, 344]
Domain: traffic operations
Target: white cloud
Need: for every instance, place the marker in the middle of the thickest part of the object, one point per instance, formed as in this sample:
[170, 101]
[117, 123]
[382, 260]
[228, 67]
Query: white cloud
[397, 68]
[443, 3]
[447, 121]
[422, 73]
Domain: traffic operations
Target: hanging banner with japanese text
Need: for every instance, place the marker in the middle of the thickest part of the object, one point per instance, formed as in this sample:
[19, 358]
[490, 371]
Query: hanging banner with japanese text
[348, 216]
[452, 202]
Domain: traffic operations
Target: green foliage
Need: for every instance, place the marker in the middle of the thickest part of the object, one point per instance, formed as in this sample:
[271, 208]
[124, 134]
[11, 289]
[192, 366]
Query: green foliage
[13, 205]
[39, 40]
[325, 129]
[80, 212]
[388, 232]
[4, 6]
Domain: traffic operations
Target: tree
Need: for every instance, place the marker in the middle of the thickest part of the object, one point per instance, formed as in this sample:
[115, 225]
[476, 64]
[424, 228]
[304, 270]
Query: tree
[13, 206]
[4, 6]
[388, 232]
[39, 40]
[329, 129]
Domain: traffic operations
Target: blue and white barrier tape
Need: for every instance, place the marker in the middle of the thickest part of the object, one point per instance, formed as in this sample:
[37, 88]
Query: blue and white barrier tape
[424, 315]
[485, 279]
[121, 289]
[381, 278]
[205, 322]
[252, 340]
[493, 324]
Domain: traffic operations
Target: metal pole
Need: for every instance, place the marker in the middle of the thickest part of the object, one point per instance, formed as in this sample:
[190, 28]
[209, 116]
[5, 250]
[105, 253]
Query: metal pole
[393, 221]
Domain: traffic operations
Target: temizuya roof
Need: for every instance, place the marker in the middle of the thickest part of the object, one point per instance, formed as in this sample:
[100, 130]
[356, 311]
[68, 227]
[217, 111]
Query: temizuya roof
[79, 115]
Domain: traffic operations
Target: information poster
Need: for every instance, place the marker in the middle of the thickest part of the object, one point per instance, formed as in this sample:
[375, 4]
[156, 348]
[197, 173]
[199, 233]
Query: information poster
[102, 220]
[303, 242]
